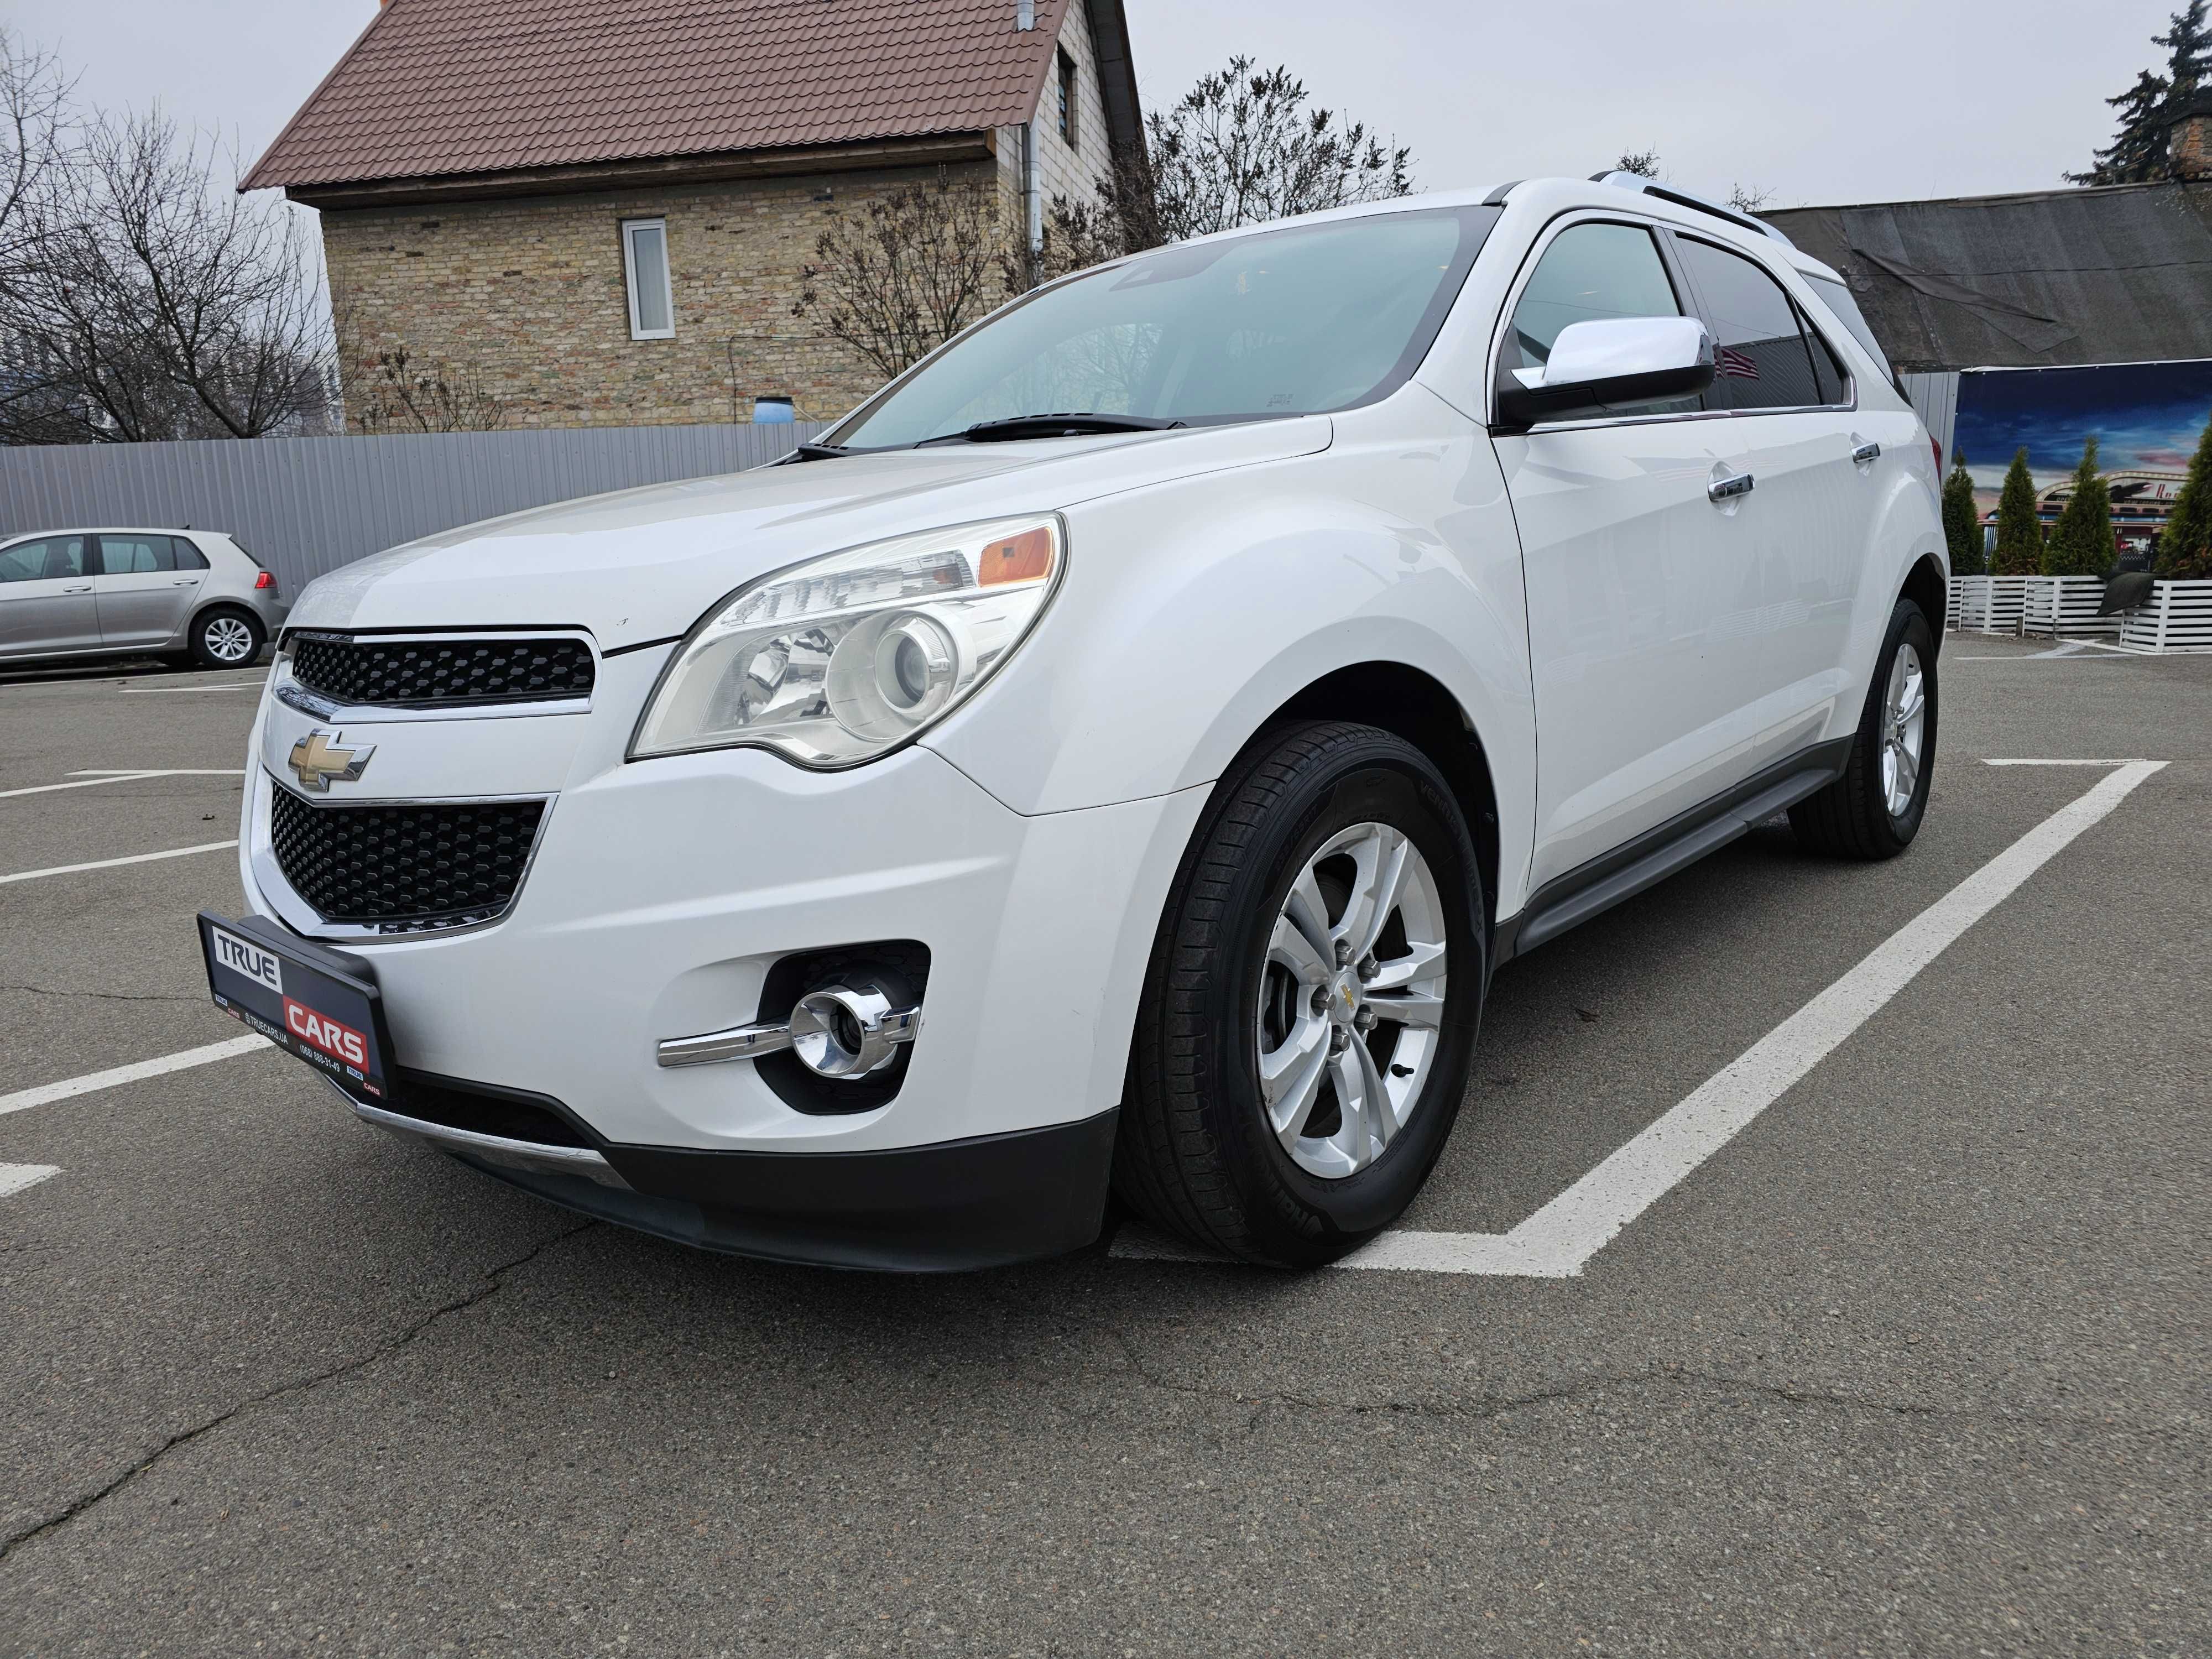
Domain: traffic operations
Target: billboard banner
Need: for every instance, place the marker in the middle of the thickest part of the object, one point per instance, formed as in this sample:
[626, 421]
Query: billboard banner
[2147, 419]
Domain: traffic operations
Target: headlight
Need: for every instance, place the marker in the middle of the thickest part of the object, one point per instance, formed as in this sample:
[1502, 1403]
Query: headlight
[840, 659]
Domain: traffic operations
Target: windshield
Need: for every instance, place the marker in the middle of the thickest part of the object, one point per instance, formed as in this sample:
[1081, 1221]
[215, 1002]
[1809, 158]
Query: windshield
[1297, 321]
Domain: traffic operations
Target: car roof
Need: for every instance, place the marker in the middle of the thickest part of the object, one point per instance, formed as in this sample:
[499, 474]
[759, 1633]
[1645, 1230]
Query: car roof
[110, 530]
[1554, 195]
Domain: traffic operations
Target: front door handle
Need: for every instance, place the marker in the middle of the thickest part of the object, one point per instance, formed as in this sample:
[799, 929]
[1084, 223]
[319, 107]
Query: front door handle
[1866, 454]
[1728, 489]
[87, 588]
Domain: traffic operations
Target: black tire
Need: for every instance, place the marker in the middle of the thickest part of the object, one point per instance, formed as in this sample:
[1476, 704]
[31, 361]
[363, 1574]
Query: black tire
[1195, 1154]
[205, 655]
[1850, 819]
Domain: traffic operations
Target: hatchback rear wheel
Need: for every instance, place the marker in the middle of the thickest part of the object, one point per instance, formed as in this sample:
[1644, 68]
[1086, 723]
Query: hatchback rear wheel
[226, 638]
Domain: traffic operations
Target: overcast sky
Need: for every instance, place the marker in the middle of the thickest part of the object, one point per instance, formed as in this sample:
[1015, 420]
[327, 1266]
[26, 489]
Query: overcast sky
[1843, 100]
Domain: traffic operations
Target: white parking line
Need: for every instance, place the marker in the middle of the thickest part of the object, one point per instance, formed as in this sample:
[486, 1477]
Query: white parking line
[168, 690]
[1560, 1238]
[109, 864]
[15, 1178]
[87, 781]
[2060, 762]
[46, 1093]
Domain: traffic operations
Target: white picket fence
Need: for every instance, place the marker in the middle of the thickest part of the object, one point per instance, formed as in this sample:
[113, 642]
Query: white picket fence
[1988, 604]
[2065, 607]
[2179, 619]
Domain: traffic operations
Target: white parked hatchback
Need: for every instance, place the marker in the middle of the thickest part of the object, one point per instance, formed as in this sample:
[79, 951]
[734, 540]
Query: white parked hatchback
[1117, 757]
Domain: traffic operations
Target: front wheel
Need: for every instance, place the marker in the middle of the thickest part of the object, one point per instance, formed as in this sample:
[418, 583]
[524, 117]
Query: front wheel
[1874, 810]
[1310, 1008]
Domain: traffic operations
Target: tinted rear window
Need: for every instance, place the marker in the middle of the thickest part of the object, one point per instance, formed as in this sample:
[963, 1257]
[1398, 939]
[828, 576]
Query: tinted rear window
[1838, 300]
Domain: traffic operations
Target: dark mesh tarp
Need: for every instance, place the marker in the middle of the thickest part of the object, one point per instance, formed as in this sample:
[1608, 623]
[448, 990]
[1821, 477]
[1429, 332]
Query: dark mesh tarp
[2112, 276]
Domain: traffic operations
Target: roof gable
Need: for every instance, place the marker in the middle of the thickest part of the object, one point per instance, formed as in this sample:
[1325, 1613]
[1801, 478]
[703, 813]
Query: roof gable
[433, 89]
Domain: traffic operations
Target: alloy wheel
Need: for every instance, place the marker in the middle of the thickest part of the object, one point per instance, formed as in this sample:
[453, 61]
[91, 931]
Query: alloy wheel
[1352, 999]
[1903, 730]
[227, 639]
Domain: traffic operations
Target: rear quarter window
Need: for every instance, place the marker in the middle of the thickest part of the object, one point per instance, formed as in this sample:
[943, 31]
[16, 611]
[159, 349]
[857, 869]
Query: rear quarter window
[1837, 299]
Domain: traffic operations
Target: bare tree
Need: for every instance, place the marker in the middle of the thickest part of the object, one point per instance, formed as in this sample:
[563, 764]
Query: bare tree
[401, 395]
[37, 150]
[1749, 198]
[1242, 147]
[1643, 163]
[36, 142]
[145, 299]
[927, 261]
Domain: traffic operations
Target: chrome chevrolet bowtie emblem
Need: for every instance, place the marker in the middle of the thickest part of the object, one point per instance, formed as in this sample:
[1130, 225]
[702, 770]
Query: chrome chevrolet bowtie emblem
[318, 762]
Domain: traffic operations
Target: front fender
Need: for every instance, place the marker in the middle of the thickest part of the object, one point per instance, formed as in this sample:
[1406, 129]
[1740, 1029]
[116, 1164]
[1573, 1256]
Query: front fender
[1191, 611]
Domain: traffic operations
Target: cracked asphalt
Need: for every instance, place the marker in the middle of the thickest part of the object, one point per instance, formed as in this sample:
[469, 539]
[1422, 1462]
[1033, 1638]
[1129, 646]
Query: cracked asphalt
[1917, 1365]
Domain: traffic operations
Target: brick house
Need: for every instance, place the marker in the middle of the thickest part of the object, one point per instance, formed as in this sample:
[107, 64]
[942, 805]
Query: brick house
[599, 209]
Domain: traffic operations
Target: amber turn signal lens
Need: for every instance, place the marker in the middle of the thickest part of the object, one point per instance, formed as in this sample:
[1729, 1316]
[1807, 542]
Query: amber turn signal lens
[1021, 558]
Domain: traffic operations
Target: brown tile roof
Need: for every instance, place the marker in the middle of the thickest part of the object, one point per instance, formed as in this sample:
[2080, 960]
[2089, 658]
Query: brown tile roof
[436, 87]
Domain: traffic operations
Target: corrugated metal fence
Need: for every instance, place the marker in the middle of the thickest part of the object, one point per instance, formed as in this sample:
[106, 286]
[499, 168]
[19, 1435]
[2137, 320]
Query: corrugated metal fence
[306, 506]
[1937, 398]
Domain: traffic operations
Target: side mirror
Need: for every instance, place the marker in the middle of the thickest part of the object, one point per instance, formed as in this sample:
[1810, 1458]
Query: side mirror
[1599, 367]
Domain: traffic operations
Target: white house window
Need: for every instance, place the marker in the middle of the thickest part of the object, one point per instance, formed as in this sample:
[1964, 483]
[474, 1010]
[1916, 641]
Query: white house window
[645, 263]
[1066, 97]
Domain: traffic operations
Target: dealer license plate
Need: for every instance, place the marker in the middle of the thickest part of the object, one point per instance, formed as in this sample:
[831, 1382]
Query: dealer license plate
[314, 1003]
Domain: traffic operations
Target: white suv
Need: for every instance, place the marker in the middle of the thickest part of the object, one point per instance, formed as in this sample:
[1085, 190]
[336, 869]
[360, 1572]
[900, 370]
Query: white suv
[1115, 758]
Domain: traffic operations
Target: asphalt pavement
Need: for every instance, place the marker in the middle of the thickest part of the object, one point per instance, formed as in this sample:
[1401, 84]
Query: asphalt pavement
[1918, 1362]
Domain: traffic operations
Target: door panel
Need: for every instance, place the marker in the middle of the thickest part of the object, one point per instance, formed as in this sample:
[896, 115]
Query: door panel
[1811, 510]
[1644, 601]
[143, 597]
[1643, 593]
[47, 603]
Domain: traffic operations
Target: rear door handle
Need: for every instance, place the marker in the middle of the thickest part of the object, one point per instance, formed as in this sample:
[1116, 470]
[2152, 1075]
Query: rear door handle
[186, 581]
[1728, 489]
[87, 588]
[1866, 453]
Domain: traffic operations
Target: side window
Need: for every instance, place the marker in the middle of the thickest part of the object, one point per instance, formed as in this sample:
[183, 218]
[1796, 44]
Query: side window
[645, 265]
[1588, 273]
[1840, 302]
[189, 557]
[1761, 360]
[49, 560]
[136, 556]
[1828, 369]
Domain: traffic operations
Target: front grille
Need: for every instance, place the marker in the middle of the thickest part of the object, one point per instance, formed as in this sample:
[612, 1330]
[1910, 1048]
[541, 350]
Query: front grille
[405, 674]
[404, 866]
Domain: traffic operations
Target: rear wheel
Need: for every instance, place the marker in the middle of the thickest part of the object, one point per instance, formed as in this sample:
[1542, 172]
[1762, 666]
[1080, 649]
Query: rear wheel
[1874, 810]
[226, 638]
[1310, 1008]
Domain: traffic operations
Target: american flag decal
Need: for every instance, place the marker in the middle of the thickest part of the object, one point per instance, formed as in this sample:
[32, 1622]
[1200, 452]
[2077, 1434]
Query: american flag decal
[1738, 365]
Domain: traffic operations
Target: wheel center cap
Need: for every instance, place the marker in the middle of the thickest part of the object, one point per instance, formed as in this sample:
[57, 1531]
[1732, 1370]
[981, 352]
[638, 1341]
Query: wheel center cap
[1344, 997]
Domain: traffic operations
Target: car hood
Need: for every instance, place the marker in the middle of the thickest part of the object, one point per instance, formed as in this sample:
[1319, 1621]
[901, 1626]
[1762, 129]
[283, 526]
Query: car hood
[641, 565]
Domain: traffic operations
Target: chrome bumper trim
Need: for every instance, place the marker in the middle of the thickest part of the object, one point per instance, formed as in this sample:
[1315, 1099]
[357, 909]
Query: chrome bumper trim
[493, 1149]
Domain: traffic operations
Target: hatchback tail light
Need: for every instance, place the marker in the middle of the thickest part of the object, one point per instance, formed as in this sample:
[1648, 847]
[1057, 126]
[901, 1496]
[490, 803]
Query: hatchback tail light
[265, 580]
[1936, 444]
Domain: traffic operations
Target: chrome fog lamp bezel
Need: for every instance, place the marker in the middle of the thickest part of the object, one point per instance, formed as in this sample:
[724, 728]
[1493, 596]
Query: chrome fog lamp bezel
[787, 741]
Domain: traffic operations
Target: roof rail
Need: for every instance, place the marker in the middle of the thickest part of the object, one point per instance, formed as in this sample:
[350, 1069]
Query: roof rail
[1683, 199]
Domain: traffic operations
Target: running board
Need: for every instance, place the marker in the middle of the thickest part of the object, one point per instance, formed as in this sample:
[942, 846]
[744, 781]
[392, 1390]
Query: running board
[1569, 900]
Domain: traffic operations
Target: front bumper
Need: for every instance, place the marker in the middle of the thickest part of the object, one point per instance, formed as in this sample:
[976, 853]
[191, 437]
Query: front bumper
[954, 1207]
[659, 895]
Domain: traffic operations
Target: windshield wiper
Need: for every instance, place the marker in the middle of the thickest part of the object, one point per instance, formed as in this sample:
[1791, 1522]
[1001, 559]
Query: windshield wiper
[817, 452]
[1065, 424]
